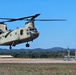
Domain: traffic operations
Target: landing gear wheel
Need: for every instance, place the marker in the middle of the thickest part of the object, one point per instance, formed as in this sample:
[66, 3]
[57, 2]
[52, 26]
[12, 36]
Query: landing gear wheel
[10, 47]
[13, 44]
[27, 45]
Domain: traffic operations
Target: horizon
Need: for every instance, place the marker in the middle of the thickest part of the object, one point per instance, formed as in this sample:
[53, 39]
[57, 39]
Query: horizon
[38, 48]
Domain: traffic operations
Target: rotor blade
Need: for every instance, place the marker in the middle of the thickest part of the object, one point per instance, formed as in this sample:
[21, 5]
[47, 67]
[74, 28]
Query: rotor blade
[34, 17]
[50, 20]
[6, 18]
[15, 19]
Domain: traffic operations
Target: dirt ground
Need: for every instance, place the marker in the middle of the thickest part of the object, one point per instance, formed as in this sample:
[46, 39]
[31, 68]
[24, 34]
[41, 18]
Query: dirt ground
[24, 60]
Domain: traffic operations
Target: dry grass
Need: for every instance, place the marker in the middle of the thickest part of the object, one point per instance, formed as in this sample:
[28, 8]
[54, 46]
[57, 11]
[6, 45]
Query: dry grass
[37, 69]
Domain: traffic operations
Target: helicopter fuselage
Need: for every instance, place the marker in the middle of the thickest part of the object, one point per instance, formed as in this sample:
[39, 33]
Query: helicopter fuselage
[19, 35]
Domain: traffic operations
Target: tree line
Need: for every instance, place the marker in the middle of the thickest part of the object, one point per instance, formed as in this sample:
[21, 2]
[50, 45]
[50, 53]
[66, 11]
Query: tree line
[38, 54]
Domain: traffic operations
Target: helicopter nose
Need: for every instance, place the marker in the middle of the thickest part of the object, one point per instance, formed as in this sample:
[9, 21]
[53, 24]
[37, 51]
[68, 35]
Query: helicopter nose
[36, 35]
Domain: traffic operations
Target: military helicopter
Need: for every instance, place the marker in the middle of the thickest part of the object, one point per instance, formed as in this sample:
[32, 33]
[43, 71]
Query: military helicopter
[20, 35]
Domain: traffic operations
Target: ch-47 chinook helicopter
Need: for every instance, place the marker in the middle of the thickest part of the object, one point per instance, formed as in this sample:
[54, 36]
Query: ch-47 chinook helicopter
[20, 35]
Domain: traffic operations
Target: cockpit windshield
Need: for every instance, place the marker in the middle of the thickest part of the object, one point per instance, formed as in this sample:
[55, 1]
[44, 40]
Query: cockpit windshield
[32, 29]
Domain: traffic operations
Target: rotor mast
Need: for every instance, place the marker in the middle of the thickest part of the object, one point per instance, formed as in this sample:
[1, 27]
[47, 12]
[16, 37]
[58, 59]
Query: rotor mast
[30, 24]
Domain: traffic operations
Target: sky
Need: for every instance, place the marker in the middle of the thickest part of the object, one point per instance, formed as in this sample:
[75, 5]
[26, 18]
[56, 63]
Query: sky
[52, 34]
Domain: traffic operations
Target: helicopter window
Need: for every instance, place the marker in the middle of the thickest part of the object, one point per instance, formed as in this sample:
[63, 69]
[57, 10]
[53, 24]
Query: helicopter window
[1, 31]
[32, 29]
[27, 30]
[6, 28]
[15, 33]
[21, 32]
[0, 37]
[10, 34]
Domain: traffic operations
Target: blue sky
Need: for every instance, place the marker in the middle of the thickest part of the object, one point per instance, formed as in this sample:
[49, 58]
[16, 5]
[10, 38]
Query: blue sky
[52, 34]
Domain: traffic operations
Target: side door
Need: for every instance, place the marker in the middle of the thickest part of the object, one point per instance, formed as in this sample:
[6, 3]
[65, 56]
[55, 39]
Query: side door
[21, 34]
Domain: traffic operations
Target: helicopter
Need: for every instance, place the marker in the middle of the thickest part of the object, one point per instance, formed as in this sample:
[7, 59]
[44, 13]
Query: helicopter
[20, 35]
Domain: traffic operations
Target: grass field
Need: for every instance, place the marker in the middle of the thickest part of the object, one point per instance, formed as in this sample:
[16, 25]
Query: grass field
[37, 69]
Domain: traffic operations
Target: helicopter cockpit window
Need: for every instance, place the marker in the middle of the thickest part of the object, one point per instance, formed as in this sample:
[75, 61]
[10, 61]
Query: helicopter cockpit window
[32, 29]
[35, 29]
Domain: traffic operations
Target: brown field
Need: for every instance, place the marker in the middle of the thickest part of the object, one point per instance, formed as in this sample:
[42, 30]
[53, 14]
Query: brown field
[37, 69]
[25, 60]
[22, 66]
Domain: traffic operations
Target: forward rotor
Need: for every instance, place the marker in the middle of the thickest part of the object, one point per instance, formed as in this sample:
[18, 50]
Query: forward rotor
[29, 18]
